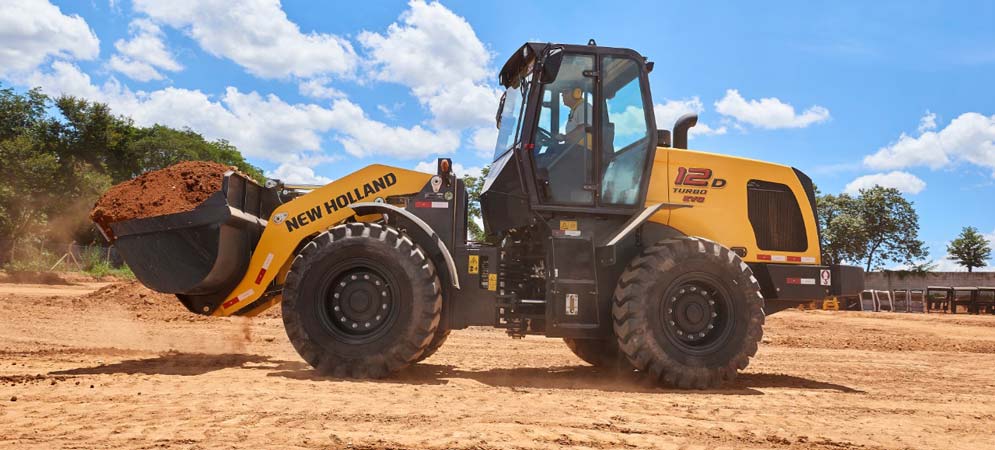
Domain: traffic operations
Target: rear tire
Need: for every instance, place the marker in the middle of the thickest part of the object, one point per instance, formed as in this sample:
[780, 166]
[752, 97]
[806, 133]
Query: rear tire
[361, 300]
[688, 313]
[599, 352]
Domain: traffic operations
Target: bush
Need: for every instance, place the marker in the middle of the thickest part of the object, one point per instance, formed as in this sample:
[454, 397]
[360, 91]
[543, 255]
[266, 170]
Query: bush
[95, 262]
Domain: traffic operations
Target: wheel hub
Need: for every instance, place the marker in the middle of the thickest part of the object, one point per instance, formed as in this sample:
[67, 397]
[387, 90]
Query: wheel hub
[359, 302]
[690, 312]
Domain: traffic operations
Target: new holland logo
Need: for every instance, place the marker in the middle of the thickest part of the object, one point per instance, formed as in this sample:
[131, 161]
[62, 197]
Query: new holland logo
[279, 218]
[341, 201]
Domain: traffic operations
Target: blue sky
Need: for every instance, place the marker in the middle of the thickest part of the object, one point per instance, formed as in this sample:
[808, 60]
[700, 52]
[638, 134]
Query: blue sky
[853, 93]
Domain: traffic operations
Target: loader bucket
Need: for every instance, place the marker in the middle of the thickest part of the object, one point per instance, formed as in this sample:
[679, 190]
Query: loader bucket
[199, 255]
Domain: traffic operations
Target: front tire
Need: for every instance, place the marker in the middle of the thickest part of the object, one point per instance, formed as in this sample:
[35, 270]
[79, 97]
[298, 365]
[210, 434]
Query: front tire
[688, 313]
[361, 300]
[437, 340]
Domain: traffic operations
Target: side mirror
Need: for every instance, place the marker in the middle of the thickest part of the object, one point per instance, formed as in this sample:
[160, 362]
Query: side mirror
[681, 127]
[551, 65]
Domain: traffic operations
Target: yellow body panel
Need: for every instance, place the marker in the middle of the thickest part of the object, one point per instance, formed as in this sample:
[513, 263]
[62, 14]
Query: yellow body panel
[720, 213]
[310, 214]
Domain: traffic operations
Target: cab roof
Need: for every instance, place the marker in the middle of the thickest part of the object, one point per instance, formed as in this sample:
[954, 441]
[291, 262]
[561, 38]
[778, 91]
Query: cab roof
[520, 59]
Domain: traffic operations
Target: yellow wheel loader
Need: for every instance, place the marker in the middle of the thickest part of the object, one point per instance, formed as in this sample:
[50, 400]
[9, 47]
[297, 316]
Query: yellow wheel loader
[602, 230]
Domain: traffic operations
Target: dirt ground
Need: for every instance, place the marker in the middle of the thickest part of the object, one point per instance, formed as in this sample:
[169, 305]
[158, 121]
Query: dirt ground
[124, 368]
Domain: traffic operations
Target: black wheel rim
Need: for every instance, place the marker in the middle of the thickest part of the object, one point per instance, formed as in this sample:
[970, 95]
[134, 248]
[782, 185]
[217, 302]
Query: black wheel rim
[696, 314]
[359, 301]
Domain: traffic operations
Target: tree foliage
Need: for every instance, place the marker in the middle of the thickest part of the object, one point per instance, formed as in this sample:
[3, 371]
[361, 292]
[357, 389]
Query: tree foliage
[970, 249]
[58, 155]
[876, 226]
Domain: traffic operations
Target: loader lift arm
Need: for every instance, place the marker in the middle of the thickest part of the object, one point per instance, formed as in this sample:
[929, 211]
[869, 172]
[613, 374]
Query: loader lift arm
[294, 222]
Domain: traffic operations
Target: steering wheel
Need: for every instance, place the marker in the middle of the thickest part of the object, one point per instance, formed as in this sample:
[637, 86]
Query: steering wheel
[543, 138]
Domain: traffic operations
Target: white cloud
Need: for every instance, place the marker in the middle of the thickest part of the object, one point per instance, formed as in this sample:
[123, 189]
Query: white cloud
[668, 112]
[141, 57]
[463, 104]
[367, 137]
[903, 181]
[33, 31]
[255, 34]
[390, 111]
[483, 140]
[437, 54]
[319, 88]
[296, 173]
[264, 127]
[770, 113]
[458, 169]
[969, 138]
[927, 122]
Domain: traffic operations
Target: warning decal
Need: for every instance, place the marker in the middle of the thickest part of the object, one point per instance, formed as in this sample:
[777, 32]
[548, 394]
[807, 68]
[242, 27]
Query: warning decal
[825, 277]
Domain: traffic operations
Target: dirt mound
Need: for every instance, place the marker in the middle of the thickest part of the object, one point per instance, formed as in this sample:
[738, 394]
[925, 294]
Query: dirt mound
[33, 277]
[177, 188]
[145, 304]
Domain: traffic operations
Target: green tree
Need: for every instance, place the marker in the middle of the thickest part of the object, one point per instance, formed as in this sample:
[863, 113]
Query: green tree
[57, 156]
[474, 186]
[970, 249]
[876, 226]
[891, 225]
[841, 236]
[20, 114]
[159, 146]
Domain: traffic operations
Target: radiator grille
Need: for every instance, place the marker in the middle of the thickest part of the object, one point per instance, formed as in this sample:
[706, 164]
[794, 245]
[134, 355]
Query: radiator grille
[775, 216]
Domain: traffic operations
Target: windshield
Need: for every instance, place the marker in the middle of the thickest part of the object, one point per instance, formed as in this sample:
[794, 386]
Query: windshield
[510, 116]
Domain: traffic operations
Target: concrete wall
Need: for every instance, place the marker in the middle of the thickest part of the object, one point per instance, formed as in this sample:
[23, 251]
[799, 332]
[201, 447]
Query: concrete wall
[889, 281]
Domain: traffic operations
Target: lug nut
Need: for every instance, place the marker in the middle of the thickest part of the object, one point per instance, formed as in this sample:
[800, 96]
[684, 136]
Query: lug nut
[711, 302]
[366, 277]
[715, 315]
[367, 325]
[336, 308]
[355, 325]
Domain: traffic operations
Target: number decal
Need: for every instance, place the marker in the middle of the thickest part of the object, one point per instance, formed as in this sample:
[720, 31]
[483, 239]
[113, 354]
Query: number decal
[693, 177]
[697, 177]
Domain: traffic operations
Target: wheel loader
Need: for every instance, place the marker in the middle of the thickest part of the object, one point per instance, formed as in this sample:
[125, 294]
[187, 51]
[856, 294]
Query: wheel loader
[601, 229]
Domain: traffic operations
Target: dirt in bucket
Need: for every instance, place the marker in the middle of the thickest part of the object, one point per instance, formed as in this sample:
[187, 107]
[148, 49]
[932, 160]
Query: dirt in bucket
[177, 188]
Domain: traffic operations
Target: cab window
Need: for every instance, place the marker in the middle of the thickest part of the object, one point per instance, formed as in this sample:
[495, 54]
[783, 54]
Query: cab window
[563, 153]
[510, 115]
[625, 135]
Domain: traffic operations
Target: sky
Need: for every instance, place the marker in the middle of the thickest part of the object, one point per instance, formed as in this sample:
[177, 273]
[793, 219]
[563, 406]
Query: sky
[853, 93]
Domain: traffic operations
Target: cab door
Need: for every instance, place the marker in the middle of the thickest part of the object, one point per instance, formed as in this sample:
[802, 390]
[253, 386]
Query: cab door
[564, 152]
[627, 132]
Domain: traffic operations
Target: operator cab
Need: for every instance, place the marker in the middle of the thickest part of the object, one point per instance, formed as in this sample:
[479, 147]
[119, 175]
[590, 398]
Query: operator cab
[576, 133]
